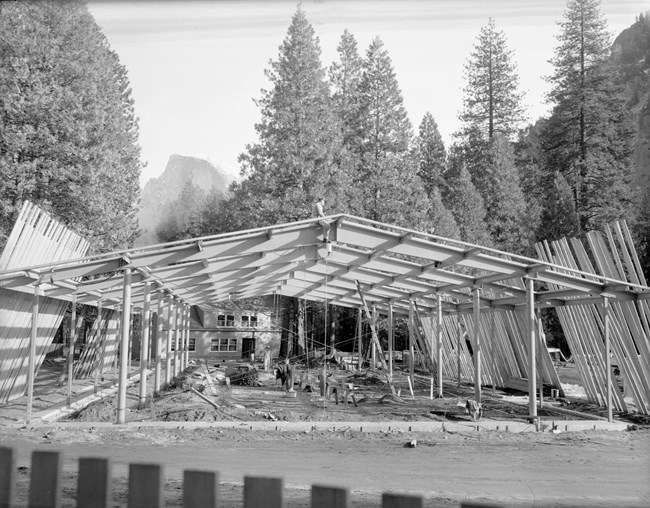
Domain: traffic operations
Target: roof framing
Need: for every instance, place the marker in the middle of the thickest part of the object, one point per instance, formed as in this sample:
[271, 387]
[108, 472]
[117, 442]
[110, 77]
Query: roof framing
[393, 266]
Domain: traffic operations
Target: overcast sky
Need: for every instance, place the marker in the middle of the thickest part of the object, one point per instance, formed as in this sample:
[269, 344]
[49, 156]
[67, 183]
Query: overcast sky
[195, 67]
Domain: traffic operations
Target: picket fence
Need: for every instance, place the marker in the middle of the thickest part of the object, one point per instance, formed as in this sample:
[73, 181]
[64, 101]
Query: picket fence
[145, 487]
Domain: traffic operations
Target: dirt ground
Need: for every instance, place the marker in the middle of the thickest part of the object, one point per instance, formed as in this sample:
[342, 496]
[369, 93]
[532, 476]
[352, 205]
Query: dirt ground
[593, 468]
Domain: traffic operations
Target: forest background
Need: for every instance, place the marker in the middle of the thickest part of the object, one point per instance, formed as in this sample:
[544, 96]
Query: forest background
[69, 138]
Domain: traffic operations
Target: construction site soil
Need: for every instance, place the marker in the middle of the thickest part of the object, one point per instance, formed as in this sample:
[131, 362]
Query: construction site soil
[547, 468]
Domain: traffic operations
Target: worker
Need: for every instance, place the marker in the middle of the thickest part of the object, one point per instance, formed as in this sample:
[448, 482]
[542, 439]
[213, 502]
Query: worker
[317, 211]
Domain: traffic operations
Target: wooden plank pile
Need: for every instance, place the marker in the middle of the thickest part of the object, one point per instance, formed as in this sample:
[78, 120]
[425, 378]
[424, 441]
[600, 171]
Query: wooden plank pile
[610, 254]
[503, 348]
[35, 239]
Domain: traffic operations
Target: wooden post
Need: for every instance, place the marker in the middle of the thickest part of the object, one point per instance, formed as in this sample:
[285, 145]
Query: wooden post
[168, 345]
[200, 489]
[158, 348]
[94, 483]
[124, 346]
[31, 362]
[177, 309]
[458, 339]
[144, 342]
[411, 340]
[439, 346]
[608, 357]
[433, 356]
[360, 342]
[145, 486]
[374, 349]
[99, 360]
[540, 333]
[181, 338]
[73, 339]
[532, 360]
[7, 476]
[187, 334]
[390, 500]
[265, 492]
[477, 345]
[329, 497]
[391, 338]
[45, 480]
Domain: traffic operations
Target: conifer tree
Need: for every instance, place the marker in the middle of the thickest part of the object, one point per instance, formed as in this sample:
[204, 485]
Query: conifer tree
[441, 218]
[468, 209]
[559, 217]
[387, 181]
[492, 100]
[431, 154]
[296, 157]
[68, 133]
[588, 137]
[507, 216]
[345, 79]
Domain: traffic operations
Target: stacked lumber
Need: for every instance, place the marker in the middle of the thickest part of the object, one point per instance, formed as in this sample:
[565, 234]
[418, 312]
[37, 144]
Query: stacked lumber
[101, 346]
[36, 239]
[504, 347]
[610, 254]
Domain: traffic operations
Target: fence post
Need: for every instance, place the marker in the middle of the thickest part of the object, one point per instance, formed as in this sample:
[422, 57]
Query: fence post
[145, 486]
[94, 483]
[45, 480]
[329, 497]
[200, 489]
[7, 473]
[389, 500]
[262, 492]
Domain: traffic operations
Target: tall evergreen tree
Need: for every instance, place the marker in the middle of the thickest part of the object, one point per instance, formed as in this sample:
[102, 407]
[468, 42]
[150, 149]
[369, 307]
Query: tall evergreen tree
[559, 217]
[345, 79]
[441, 217]
[468, 209]
[492, 100]
[297, 155]
[387, 182]
[431, 154]
[588, 137]
[68, 133]
[510, 225]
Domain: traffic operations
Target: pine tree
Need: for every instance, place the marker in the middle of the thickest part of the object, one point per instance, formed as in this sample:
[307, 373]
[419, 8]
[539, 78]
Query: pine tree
[588, 137]
[387, 182]
[296, 157]
[431, 154]
[510, 226]
[68, 133]
[442, 219]
[345, 80]
[468, 209]
[492, 100]
[559, 217]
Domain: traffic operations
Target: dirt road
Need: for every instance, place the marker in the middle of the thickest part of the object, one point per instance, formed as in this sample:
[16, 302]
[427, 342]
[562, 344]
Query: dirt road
[584, 469]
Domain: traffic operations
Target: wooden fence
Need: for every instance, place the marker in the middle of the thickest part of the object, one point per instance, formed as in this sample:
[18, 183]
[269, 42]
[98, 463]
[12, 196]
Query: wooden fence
[145, 487]
[36, 238]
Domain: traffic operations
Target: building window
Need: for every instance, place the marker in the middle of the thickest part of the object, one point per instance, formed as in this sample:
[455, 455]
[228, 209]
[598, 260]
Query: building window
[221, 320]
[223, 345]
[249, 321]
[230, 320]
[191, 346]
